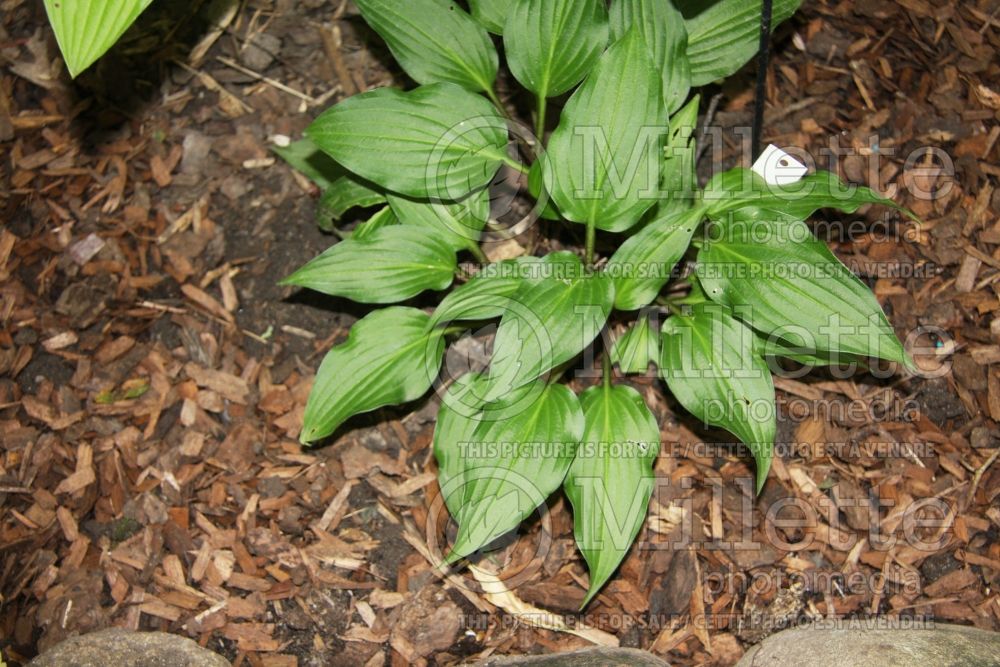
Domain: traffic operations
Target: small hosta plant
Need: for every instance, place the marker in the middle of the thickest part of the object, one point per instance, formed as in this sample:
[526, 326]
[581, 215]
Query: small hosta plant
[618, 162]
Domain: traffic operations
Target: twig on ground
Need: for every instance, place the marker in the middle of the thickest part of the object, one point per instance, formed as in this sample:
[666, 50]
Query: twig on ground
[330, 34]
[308, 99]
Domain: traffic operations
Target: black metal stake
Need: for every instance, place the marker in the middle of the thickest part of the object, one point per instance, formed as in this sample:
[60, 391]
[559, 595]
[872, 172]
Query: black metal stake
[763, 60]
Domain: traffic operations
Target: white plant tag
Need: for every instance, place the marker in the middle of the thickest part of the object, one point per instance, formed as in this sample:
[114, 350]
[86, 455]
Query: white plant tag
[777, 167]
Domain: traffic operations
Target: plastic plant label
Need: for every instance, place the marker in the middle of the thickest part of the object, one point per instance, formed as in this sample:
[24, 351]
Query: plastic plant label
[777, 167]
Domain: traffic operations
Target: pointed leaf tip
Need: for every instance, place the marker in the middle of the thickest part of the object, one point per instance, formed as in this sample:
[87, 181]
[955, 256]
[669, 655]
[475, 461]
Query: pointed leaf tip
[86, 29]
[611, 479]
[389, 358]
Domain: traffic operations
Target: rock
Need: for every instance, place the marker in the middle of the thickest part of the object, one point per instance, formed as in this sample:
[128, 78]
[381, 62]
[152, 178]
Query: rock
[122, 648]
[260, 51]
[196, 148]
[982, 437]
[856, 645]
[591, 657]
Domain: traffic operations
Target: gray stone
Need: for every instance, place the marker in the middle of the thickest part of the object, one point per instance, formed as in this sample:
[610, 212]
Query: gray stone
[854, 645]
[122, 648]
[982, 437]
[260, 51]
[591, 657]
[196, 148]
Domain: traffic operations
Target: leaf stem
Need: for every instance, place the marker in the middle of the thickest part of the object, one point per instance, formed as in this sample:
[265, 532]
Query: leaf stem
[606, 366]
[540, 120]
[514, 164]
[591, 241]
[478, 253]
[495, 99]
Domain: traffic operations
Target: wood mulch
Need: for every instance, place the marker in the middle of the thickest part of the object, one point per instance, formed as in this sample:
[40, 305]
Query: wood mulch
[153, 376]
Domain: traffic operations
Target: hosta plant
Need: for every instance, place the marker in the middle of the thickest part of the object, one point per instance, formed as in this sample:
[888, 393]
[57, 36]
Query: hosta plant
[617, 166]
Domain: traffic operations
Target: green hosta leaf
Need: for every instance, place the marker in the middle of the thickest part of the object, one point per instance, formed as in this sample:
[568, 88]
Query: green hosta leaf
[662, 27]
[491, 14]
[611, 479]
[345, 193]
[487, 294]
[391, 264]
[603, 163]
[436, 142]
[86, 29]
[458, 417]
[637, 348]
[711, 364]
[434, 41]
[306, 157]
[548, 321]
[461, 223]
[679, 182]
[643, 264]
[744, 190]
[383, 218]
[724, 34]
[552, 44]
[391, 356]
[773, 346]
[561, 265]
[519, 453]
[781, 280]
[536, 188]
